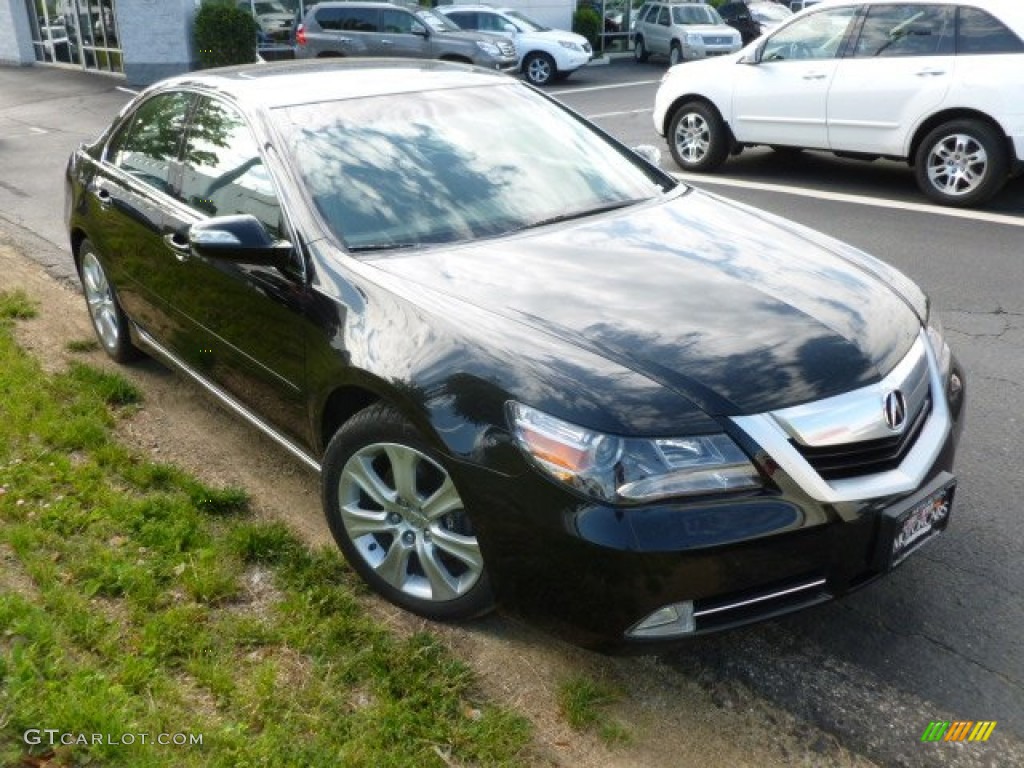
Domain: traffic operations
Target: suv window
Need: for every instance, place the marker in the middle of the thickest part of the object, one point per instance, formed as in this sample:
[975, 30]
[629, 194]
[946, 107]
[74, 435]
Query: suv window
[150, 143]
[980, 32]
[465, 19]
[348, 19]
[663, 18]
[491, 22]
[223, 171]
[398, 22]
[817, 36]
[902, 30]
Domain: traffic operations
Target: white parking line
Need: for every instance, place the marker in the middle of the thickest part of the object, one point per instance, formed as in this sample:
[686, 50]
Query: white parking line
[590, 88]
[840, 197]
[619, 114]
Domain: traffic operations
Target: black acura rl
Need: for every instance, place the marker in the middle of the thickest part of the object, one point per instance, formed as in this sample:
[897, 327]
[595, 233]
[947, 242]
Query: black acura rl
[530, 367]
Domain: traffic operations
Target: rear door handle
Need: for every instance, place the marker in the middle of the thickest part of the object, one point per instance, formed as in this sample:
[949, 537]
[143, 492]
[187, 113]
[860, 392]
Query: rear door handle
[178, 244]
[931, 72]
[815, 76]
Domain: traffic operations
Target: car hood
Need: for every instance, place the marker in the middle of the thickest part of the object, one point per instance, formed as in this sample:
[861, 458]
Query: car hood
[713, 30]
[552, 36]
[736, 310]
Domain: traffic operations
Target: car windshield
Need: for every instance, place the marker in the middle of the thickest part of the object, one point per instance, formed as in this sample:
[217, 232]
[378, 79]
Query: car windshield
[436, 21]
[695, 14]
[525, 23]
[454, 165]
[263, 9]
[770, 12]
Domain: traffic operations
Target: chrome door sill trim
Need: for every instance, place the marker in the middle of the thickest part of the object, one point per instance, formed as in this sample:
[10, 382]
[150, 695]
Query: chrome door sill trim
[229, 401]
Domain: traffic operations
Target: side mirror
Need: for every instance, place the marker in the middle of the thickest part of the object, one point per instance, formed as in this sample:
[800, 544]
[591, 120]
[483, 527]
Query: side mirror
[242, 239]
[648, 152]
[752, 56]
[419, 29]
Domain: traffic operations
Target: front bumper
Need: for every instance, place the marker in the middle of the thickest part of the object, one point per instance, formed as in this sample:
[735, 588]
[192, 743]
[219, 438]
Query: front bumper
[591, 571]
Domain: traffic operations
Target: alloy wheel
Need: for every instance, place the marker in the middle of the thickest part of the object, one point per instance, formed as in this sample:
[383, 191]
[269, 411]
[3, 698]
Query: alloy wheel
[692, 138]
[100, 298]
[957, 164]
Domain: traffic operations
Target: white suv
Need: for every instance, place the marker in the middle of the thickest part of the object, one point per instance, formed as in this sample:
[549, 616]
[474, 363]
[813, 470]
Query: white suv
[545, 54]
[936, 83]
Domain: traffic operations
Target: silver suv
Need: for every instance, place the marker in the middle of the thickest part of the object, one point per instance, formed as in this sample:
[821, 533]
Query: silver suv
[386, 29]
[682, 31]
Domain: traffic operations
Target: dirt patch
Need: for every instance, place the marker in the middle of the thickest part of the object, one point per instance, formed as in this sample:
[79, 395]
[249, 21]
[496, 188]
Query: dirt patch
[671, 719]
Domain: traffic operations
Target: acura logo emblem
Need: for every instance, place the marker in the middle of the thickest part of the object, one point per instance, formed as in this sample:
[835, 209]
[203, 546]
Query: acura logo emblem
[895, 410]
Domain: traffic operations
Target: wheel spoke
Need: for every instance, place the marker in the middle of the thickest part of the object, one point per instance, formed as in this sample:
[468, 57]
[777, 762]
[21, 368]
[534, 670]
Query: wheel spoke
[360, 522]
[403, 467]
[463, 548]
[443, 586]
[361, 472]
[394, 566]
[444, 500]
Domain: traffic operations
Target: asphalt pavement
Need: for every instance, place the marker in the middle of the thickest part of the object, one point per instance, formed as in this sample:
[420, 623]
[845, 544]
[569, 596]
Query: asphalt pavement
[940, 638]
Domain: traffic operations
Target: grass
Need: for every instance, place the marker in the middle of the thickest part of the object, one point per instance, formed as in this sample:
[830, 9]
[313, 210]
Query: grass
[135, 602]
[584, 703]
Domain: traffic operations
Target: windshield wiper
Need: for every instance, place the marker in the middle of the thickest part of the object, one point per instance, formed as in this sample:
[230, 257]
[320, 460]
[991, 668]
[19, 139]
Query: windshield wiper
[382, 247]
[580, 214]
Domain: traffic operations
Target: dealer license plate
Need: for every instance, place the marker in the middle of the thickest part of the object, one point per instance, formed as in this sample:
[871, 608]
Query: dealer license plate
[908, 527]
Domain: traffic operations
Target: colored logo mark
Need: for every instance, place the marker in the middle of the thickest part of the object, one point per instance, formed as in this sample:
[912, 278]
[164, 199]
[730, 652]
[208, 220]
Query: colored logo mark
[958, 730]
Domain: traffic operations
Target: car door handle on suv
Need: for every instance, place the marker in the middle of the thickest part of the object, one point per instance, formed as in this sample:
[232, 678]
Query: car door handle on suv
[930, 72]
[815, 76]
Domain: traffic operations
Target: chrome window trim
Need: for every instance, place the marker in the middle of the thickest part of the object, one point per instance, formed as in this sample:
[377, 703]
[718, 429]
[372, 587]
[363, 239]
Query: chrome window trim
[770, 435]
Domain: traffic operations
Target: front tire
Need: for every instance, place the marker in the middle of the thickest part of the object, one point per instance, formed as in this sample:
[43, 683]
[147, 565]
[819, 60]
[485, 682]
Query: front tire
[697, 137]
[675, 55]
[112, 327]
[962, 163]
[539, 69]
[640, 52]
[397, 516]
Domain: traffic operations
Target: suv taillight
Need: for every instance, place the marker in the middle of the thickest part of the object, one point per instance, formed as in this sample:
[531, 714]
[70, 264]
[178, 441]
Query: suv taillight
[300, 35]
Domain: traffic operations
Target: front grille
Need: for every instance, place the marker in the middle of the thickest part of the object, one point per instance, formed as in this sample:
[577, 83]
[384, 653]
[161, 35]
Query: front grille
[506, 48]
[713, 40]
[867, 457]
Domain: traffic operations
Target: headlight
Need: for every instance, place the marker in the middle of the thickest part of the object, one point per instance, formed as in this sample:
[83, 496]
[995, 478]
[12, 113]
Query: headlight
[570, 45]
[937, 338]
[631, 470]
[488, 48]
[692, 38]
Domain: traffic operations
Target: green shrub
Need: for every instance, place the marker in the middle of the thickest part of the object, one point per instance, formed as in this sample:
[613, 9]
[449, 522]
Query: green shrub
[587, 22]
[225, 34]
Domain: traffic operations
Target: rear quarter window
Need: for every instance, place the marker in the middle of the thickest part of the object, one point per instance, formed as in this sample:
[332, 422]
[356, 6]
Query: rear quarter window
[348, 19]
[980, 32]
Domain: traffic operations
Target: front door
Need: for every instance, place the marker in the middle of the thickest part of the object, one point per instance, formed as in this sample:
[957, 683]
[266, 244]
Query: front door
[783, 98]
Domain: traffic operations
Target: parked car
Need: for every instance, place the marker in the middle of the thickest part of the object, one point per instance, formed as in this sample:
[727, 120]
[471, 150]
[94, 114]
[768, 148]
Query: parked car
[542, 372]
[753, 19]
[384, 29]
[934, 83]
[545, 54]
[683, 32]
[274, 19]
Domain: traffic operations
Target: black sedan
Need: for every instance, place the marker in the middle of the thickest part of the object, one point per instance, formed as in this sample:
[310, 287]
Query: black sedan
[530, 367]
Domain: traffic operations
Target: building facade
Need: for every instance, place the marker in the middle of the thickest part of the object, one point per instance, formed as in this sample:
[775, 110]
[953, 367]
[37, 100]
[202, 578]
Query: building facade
[146, 40]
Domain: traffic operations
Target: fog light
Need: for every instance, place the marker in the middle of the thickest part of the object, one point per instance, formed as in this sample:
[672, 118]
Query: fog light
[955, 386]
[674, 619]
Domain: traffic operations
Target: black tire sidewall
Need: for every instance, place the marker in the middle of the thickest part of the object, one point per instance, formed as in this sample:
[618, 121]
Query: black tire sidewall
[542, 57]
[719, 147]
[383, 424]
[996, 173]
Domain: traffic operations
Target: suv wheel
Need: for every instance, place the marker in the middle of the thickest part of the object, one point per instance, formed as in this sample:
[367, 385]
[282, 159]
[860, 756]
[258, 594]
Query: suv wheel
[539, 68]
[675, 55]
[640, 52]
[697, 137]
[397, 516]
[962, 163]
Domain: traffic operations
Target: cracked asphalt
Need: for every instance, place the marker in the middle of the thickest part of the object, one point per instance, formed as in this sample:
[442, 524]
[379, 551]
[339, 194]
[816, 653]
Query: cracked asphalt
[940, 639]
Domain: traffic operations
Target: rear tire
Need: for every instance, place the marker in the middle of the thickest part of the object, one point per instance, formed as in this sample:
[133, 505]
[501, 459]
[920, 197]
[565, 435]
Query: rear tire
[112, 327]
[697, 137]
[962, 163]
[397, 516]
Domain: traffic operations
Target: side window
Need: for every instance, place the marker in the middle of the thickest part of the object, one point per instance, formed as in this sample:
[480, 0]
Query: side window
[223, 172]
[980, 32]
[663, 16]
[492, 22]
[817, 36]
[348, 19]
[396, 22]
[149, 145]
[465, 19]
[906, 30]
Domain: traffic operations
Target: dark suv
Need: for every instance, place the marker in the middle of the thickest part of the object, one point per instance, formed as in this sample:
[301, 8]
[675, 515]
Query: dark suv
[385, 29]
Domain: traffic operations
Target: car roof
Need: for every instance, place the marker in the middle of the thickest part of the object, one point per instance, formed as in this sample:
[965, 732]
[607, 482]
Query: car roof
[1007, 10]
[288, 83]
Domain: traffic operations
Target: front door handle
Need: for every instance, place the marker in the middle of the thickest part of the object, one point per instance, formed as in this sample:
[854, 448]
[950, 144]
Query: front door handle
[178, 244]
[931, 72]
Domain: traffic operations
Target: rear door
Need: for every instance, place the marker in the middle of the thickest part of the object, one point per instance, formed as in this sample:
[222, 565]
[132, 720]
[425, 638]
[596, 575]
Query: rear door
[904, 57]
[401, 34]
